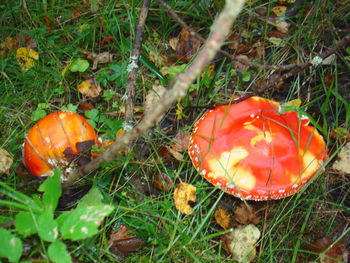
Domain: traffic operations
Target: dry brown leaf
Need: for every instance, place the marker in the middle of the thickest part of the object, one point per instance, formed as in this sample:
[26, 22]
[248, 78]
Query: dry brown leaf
[241, 242]
[9, 45]
[178, 156]
[183, 194]
[162, 182]
[240, 66]
[101, 58]
[343, 162]
[279, 10]
[90, 88]
[86, 106]
[187, 46]
[276, 34]
[173, 42]
[281, 25]
[222, 218]
[5, 161]
[335, 251]
[121, 243]
[181, 141]
[277, 41]
[246, 215]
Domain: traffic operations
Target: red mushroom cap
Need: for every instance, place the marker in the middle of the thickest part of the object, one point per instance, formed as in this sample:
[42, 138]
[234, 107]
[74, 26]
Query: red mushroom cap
[47, 141]
[252, 151]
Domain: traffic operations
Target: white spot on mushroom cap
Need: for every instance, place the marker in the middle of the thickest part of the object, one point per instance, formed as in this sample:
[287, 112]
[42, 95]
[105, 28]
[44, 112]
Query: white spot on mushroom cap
[203, 172]
[252, 115]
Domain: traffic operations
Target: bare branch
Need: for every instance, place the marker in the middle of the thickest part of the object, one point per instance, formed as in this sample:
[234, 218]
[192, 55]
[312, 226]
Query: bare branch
[178, 88]
[133, 64]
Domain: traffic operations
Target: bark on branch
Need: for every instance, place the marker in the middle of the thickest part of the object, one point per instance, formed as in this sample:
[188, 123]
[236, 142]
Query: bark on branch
[178, 88]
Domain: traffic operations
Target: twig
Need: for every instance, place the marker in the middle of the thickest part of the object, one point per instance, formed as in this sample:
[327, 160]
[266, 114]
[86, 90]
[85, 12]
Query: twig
[342, 43]
[178, 88]
[134, 60]
[226, 54]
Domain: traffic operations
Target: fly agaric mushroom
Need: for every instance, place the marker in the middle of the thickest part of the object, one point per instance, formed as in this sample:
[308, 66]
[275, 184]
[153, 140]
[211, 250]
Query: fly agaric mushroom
[254, 152]
[58, 140]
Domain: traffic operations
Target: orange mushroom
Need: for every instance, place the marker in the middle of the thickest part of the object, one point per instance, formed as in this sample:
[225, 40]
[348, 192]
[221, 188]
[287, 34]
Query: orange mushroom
[58, 140]
[254, 152]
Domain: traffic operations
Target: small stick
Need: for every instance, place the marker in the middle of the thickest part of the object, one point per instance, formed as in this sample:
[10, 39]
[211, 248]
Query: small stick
[134, 60]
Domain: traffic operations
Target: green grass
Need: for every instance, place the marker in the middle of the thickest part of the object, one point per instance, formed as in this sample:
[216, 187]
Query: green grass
[292, 224]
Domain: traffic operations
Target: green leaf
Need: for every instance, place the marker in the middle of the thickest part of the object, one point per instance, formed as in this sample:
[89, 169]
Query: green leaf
[52, 190]
[82, 222]
[10, 246]
[47, 227]
[92, 198]
[38, 115]
[92, 114]
[108, 94]
[70, 107]
[58, 253]
[24, 223]
[43, 106]
[246, 76]
[80, 65]
[347, 50]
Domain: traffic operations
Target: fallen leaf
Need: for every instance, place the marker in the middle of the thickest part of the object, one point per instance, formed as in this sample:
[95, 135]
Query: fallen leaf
[173, 42]
[9, 45]
[181, 141]
[281, 25]
[279, 10]
[183, 194]
[122, 243]
[163, 182]
[187, 46]
[334, 251]
[222, 218]
[26, 58]
[5, 161]
[241, 66]
[329, 60]
[178, 156]
[246, 214]
[86, 106]
[277, 41]
[101, 58]
[241, 242]
[340, 133]
[89, 88]
[343, 162]
[276, 34]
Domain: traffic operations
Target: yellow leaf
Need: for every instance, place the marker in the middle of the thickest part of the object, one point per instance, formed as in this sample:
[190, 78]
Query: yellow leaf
[183, 194]
[26, 58]
[89, 88]
[222, 218]
[279, 10]
[293, 103]
[66, 68]
[5, 161]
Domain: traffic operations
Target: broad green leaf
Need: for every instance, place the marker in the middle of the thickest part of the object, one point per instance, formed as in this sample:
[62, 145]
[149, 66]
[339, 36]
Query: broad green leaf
[80, 65]
[82, 222]
[38, 115]
[10, 246]
[246, 76]
[58, 253]
[47, 227]
[92, 198]
[52, 190]
[24, 223]
[70, 107]
[92, 114]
